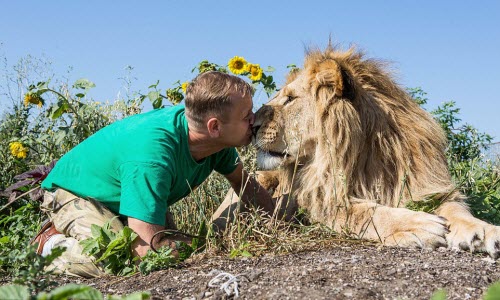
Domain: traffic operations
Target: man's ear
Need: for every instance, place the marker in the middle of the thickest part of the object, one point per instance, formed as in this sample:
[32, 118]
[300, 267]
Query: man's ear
[213, 126]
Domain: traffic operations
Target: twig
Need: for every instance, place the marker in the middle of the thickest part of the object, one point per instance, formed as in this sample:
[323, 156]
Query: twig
[18, 197]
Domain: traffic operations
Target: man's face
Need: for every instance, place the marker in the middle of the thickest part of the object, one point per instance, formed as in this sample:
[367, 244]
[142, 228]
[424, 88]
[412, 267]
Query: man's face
[237, 124]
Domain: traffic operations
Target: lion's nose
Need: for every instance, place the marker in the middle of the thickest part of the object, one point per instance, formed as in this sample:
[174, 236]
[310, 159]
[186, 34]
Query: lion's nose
[255, 129]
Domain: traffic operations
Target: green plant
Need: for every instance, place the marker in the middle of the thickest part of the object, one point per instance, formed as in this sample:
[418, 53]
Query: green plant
[112, 250]
[241, 250]
[69, 291]
[154, 261]
[492, 293]
[34, 274]
[17, 227]
[475, 177]
[465, 142]
[439, 295]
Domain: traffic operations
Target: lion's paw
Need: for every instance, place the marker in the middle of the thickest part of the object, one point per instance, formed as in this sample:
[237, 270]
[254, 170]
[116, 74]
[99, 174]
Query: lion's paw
[476, 236]
[419, 230]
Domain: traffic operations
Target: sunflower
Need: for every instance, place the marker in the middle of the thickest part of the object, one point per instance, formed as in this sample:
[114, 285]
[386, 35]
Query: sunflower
[174, 96]
[237, 65]
[184, 86]
[255, 71]
[18, 150]
[33, 98]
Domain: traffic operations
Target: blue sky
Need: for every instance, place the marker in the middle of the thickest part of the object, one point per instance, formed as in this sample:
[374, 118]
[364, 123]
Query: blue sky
[449, 48]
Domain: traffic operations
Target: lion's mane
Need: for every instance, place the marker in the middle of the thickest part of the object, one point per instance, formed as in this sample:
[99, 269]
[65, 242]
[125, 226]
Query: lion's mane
[377, 145]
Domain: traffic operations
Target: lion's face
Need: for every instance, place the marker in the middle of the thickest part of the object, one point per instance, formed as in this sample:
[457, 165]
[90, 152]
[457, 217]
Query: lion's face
[283, 125]
[287, 128]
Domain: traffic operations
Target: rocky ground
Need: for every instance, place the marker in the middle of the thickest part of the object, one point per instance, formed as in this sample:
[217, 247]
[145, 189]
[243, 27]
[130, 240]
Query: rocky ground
[342, 271]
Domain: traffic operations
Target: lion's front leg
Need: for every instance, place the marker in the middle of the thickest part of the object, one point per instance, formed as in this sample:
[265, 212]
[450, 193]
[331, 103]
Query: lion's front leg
[468, 232]
[397, 226]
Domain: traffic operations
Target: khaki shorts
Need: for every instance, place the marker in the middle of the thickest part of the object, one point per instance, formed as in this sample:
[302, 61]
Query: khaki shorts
[73, 217]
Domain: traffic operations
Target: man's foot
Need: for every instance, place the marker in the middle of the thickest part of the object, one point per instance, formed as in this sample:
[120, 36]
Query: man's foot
[47, 231]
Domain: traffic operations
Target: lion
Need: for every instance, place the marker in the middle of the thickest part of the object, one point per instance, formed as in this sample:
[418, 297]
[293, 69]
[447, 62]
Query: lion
[354, 148]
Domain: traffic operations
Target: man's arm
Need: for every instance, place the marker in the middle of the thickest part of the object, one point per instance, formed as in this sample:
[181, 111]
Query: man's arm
[145, 232]
[249, 189]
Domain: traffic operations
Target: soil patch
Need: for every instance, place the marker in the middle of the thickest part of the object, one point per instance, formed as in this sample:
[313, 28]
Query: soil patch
[343, 271]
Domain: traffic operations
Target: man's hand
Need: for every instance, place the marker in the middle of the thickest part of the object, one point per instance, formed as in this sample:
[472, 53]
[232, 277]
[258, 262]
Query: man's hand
[146, 231]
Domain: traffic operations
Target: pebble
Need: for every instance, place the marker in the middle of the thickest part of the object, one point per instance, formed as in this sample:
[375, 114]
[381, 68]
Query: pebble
[348, 293]
[489, 260]
[391, 272]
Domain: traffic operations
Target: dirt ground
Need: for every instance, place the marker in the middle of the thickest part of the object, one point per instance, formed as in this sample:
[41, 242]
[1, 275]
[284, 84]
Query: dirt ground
[341, 271]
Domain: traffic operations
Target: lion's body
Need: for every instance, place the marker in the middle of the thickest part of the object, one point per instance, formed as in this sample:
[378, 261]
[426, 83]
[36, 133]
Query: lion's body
[353, 148]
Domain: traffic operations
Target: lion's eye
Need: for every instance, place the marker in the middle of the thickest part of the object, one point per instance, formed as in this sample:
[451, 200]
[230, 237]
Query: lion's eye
[288, 100]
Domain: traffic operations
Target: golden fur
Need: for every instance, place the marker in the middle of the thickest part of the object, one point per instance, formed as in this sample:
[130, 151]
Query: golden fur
[354, 148]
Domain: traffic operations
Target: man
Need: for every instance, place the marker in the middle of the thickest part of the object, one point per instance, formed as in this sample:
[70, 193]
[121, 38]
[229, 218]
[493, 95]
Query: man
[137, 167]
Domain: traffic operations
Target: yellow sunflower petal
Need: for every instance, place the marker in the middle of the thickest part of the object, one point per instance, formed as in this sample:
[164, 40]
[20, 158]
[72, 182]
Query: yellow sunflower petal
[237, 65]
[255, 72]
[33, 98]
[184, 87]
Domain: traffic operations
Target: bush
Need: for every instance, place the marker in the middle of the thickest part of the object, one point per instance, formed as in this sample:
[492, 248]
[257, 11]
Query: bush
[476, 176]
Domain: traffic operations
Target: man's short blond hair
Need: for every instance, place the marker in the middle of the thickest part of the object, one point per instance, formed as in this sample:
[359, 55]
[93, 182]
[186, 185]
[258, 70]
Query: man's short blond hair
[209, 94]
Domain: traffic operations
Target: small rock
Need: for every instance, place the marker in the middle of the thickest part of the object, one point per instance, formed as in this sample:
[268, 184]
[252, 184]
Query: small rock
[489, 260]
[348, 293]
[391, 272]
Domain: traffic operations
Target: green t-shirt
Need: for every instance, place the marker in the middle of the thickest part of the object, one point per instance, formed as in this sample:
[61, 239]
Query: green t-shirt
[138, 166]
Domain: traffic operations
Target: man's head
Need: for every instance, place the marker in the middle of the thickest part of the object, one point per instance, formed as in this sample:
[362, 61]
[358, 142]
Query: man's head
[221, 104]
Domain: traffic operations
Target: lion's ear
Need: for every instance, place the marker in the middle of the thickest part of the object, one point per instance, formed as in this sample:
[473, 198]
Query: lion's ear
[333, 81]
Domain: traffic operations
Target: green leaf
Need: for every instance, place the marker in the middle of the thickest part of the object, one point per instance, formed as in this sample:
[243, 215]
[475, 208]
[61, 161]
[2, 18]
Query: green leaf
[80, 95]
[95, 230]
[14, 291]
[4, 239]
[245, 253]
[74, 291]
[157, 103]
[153, 95]
[59, 137]
[90, 246]
[83, 84]
[141, 98]
[439, 295]
[133, 296]
[42, 84]
[154, 85]
[196, 243]
[57, 110]
[55, 253]
[493, 292]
